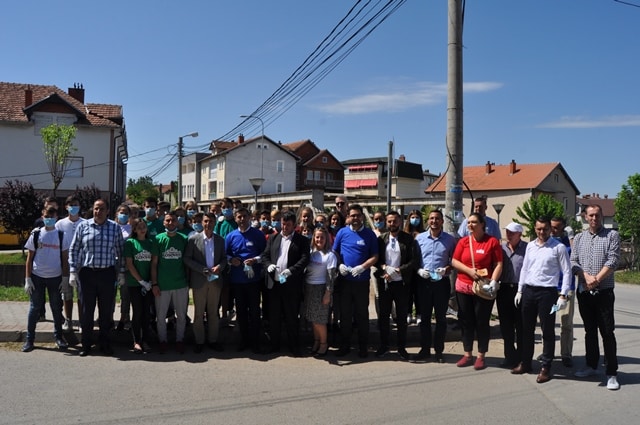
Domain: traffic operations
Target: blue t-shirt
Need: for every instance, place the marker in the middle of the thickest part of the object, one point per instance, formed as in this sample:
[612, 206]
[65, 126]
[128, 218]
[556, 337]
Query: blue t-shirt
[354, 248]
[244, 245]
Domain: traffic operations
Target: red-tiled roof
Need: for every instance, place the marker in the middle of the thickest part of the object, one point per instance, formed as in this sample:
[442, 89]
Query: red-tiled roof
[500, 177]
[13, 103]
[607, 204]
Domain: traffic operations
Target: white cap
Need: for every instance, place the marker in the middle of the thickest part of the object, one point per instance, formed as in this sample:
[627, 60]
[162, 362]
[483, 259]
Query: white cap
[514, 227]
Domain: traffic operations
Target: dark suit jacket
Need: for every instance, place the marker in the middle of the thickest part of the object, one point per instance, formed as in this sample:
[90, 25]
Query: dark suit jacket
[408, 257]
[297, 259]
[195, 258]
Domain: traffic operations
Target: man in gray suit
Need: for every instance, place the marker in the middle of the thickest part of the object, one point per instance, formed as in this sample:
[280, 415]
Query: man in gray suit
[205, 257]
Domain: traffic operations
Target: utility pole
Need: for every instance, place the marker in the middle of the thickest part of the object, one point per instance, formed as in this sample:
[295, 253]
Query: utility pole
[389, 170]
[180, 155]
[454, 178]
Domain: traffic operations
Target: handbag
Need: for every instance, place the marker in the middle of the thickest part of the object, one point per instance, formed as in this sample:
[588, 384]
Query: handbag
[477, 286]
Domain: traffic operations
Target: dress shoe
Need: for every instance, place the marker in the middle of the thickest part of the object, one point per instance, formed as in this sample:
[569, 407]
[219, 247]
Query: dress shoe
[180, 347]
[403, 354]
[28, 346]
[216, 346]
[106, 350]
[544, 375]
[439, 358]
[567, 362]
[323, 350]
[163, 347]
[422, 356]
[382, 351]
[85, 352]
[343, 352]
[198, 348]
[61, 344]
[242, 347]
[521, 369]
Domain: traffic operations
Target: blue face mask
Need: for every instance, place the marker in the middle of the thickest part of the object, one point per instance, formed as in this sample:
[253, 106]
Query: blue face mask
[123, 218]
[415, 221]
[73, 209]
[319, 225]
[49, 221]
[198, 227]
[227, 212]
[150, 212]
[191, 213]
[378, 224]
[181, 220]
[308, 236]
[264, 223]
[276, 224]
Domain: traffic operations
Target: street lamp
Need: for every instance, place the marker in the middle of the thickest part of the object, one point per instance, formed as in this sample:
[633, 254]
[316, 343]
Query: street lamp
[498, 208]
[246, 117]
[256, 182]
[180, 153]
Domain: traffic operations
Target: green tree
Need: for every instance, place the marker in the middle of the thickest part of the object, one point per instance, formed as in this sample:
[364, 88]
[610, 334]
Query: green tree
[627, 215]
[20, 207]
[541, 206]
[58, 146]
[138, 190]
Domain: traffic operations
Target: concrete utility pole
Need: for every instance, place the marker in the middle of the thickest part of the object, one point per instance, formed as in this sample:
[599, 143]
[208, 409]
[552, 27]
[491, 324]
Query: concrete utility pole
[453, 190]
[389, 170]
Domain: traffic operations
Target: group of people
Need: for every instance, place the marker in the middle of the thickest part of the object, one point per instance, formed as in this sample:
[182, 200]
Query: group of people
[278, 267]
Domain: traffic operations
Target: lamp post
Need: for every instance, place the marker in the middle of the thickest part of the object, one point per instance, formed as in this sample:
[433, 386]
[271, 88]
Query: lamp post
[256, 182]
[180, 153]
[262, 146]
[498, 208]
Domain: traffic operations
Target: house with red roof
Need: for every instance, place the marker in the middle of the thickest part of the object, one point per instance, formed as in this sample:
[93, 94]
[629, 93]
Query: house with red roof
[508, 186]
[608, 209]
[101, 139]
[317, 168]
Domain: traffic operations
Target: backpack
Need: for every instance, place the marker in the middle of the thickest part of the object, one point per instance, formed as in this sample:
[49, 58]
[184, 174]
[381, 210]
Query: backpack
[36, 237]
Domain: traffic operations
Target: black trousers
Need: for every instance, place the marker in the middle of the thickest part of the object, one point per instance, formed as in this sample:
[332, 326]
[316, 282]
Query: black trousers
[248, 312]
[433, 296]
[510, 318]
[536, 304]
[389, 293]
[354, 304]
[597, 314]
[474, 314]
[96, 286]
[284, 303]
[141, 306]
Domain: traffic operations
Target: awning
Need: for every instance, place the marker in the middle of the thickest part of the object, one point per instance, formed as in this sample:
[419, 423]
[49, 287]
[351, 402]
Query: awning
[360, 183]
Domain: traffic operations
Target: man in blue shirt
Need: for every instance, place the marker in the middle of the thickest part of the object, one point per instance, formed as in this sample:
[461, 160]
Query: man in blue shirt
[491, 226]
[357, 249]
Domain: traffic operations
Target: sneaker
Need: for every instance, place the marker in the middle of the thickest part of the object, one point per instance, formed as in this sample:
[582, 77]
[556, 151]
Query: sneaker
[67, 326]
[479, 363]
[61, 344]
[612, 383]
[418, 319]
[588, 371]
[464, 361]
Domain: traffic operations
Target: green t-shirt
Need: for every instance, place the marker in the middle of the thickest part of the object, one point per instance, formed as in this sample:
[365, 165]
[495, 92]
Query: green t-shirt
[140, 252]
[224, 227]
[154, 228]
[170, 253]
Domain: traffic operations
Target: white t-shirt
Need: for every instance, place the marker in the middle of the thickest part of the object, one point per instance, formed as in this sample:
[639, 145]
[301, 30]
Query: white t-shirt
[319, 263]
[68, 226]
[47, 263]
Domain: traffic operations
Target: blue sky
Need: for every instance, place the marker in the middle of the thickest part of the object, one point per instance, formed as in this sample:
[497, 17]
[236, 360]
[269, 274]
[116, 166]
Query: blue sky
[545, 81]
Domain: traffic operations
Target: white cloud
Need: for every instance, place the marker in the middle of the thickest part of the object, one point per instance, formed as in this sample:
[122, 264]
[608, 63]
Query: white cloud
[586, 122]
[399, 98]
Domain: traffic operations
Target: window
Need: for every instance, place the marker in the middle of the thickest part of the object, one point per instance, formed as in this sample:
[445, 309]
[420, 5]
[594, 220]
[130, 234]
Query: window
[309, 174]
[75, 166]
[191, 168]
[324, 160]
[262, 146]
[213, 168]
[203, 190]
[279, 186]
[556, 178]
[280, 166]
[316, 175]
[221, 165]
[329, 176]
[221, 187]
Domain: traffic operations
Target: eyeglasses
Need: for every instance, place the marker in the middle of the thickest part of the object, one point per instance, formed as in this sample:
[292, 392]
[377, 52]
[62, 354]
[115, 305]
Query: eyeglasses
[339, 204]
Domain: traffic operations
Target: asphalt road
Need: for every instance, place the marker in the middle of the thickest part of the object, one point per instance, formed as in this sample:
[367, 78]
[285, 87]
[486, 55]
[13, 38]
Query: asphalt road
[50, 387]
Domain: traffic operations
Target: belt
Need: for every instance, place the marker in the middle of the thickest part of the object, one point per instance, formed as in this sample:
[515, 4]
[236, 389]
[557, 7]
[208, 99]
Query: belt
[98, 269]
[540, 288]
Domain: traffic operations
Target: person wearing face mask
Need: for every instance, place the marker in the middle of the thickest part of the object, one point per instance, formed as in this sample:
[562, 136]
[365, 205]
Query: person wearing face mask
[413, 225]
[306, 219]
[265, 224]
[226, 224]
[49, 201]
[190, 209]
[122, 220]
[169, 280]
[196, 223]
[150, 217]
[275, 220]
[183, 221]
[68, 226]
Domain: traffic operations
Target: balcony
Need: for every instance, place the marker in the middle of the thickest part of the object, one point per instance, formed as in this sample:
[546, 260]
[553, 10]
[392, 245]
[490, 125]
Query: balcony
[327, 183]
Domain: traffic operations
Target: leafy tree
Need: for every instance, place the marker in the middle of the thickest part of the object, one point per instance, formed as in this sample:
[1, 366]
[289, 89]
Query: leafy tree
[541, 206]
[58, 146]
[138, 190]
[627, 216]
[20, 207]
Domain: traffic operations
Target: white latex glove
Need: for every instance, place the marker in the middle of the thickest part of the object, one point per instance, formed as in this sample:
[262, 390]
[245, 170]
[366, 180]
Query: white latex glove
[517, 299]
[121, 279]
[441, 271]
[344, 270]
[272, 268]
[64, 285]
[561, 303]
[357, 271]
[393, 272]
[73, 279]
[146, 285]
[491, 287]
[248, 270]
[424, 273]
[29, 287]
[286, 273]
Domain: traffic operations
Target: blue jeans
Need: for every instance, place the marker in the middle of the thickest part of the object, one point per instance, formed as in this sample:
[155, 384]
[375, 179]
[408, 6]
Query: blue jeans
[37, 304]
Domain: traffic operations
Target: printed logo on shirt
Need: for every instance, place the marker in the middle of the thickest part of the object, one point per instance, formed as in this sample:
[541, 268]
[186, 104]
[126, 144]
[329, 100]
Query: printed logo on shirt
[172, 254]
[249, 243]
[48, 245]
[361, 242]
[143, 256]
[479, 251]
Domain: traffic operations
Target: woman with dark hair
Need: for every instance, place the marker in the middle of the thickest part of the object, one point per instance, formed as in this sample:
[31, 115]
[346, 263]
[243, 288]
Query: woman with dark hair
[137, 255]
[476, 256]
[319, 277]
[413, 225]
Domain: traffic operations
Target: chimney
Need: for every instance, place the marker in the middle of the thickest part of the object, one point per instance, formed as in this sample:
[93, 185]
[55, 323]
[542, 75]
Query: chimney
[77, 92]
[512, 167]
[240, 139]
[402, 158]
[28, 96]
[487, 168]
[606, 196]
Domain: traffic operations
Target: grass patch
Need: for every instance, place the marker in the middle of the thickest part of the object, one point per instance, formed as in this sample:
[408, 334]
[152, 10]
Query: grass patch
[627, 276]
[16, 258]
[13, 293]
